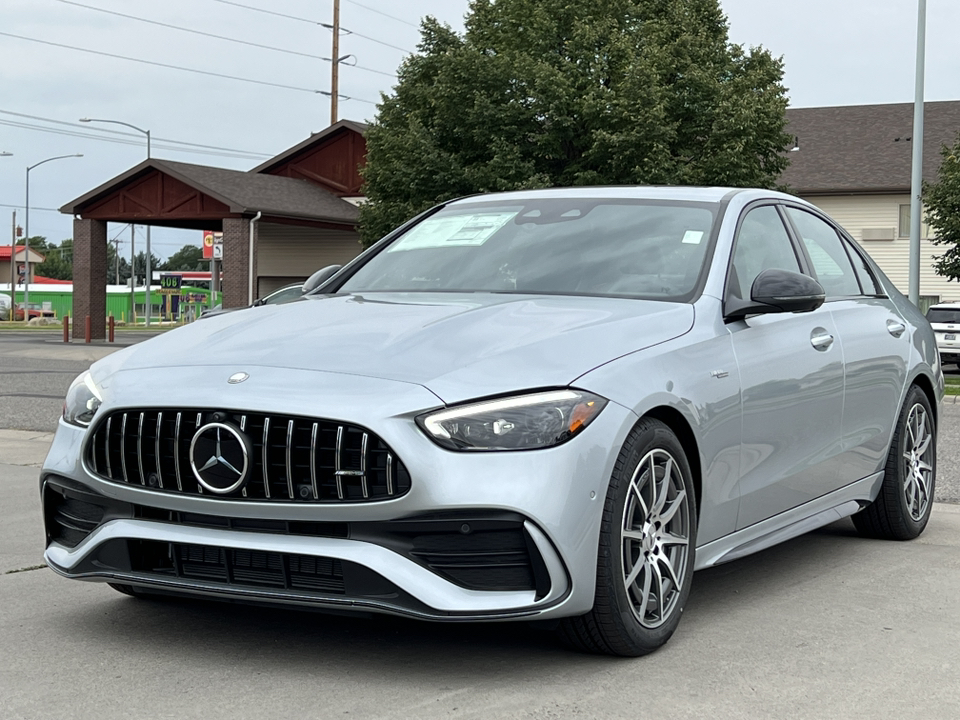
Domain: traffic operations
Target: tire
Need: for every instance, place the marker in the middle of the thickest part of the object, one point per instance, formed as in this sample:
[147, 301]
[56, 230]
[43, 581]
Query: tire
[647, 546]
[902, 509]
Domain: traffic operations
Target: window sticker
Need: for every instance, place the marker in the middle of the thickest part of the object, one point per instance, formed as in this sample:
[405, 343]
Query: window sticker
[456, 231]
[692, 237]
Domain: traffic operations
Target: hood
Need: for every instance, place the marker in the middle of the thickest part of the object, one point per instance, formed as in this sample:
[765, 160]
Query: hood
[459, 346]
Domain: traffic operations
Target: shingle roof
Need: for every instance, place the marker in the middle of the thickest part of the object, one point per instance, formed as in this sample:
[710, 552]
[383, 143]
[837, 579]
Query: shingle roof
[865, 148]
[243, 192]
[270, 194]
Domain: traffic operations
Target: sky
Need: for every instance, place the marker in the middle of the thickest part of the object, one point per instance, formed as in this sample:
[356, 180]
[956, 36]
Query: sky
[845, 52]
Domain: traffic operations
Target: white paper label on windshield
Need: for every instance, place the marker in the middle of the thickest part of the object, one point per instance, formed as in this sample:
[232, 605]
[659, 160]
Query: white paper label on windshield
[459, 230]
[692, 237]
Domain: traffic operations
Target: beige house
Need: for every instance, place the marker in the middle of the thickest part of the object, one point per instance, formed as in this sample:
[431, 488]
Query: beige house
[854, 163]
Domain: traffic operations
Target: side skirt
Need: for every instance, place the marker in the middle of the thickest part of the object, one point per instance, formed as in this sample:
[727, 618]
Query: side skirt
[809, 516]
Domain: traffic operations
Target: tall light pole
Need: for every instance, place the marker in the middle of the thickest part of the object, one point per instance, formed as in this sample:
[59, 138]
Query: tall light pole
[149, 268]
[13, 256]
[916, 181]
[26, 232]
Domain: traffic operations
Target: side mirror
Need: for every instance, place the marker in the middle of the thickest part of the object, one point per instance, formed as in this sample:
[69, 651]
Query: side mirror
[778, 291]
[320, 277]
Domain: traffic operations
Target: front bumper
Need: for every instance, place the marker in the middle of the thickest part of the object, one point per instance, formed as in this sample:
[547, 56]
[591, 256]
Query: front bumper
[548, 500]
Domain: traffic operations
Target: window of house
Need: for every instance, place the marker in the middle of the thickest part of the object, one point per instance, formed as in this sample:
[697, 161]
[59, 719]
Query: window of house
[904, 229]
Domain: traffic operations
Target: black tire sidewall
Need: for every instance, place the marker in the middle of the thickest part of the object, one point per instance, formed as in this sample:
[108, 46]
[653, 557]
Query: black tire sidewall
[915, 397]
[647, 436]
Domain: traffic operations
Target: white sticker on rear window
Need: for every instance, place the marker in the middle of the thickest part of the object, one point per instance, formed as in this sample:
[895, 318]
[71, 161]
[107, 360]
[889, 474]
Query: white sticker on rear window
[455, 231]
[692, 237]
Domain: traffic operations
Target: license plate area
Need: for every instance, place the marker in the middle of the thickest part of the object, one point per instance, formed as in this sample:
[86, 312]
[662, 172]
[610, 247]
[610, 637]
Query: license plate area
[950, 336]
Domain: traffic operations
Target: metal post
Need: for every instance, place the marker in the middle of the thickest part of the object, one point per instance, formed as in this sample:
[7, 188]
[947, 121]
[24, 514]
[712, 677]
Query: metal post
[133, 280]
[916, 182]
[335, 80]
[26, 255]
[149, 264]
[13, 269]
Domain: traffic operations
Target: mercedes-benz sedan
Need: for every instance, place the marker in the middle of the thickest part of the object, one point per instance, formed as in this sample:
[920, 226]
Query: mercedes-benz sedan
[550, 405]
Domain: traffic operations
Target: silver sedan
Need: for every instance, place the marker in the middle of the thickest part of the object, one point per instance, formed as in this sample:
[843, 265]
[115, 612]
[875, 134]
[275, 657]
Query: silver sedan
[550, 405]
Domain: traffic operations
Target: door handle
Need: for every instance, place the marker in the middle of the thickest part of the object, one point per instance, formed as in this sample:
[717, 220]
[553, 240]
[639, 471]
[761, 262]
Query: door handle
[821, 339]
[895, 328]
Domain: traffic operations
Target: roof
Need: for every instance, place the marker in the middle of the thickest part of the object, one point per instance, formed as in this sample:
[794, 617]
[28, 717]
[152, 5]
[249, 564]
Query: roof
[865, 148]
[244, 192]
[315, 138]
[5, 253]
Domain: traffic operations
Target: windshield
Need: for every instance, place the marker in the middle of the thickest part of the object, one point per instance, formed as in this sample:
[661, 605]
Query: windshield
[943, 315]
[626, 248]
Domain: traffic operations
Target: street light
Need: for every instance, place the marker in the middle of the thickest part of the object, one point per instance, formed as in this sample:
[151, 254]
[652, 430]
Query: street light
[4, 153]
[149, 269]
[26, 240]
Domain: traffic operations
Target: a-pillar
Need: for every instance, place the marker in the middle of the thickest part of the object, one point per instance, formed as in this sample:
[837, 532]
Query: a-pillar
[236, 262]
[90, 278]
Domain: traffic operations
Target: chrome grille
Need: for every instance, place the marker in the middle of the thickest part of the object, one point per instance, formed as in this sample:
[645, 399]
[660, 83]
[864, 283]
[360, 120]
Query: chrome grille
[292, 459]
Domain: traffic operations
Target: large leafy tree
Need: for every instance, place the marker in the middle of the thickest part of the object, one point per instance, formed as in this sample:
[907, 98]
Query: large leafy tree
[189, 257]
[539, 93]
[942, 204]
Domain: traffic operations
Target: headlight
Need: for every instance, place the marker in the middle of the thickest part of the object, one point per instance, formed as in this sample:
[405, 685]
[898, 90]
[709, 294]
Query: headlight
[83, 399]
[527, 422]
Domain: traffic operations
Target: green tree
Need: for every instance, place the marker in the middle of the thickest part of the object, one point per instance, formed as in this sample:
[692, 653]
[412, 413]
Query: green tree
[539, 93]
[942, 205]
[189, 257]
[58, 261]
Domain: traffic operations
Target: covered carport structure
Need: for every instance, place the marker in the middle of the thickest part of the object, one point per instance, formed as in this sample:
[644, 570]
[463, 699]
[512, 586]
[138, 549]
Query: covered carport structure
[280, 221]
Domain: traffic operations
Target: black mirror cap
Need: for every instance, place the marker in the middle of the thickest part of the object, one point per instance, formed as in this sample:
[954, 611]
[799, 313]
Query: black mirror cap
[779, 291]
[319, 278]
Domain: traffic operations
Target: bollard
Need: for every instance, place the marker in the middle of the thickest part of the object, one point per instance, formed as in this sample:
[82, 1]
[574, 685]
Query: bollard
[110, 329]
[66, 328]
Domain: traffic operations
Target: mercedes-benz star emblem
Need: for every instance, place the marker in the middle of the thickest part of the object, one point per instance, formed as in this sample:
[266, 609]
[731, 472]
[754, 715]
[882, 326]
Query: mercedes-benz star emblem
[219, 457]
[237, 378]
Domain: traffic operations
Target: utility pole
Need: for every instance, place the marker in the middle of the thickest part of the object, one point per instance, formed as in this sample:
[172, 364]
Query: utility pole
[335, 80]
[916, 181]
[133, 279]
[13, 269]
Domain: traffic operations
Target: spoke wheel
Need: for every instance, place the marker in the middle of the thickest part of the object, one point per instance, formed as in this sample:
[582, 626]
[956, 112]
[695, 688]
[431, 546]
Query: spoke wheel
[918, 462]
[646, 548]
[655, 538]
[902, 509]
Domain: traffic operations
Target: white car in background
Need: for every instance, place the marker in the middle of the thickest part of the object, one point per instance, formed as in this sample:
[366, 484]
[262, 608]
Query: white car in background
[945, 320]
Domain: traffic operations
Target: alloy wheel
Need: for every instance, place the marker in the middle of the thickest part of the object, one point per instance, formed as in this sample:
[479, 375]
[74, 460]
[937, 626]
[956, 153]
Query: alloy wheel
[655, 538]
[918, 462]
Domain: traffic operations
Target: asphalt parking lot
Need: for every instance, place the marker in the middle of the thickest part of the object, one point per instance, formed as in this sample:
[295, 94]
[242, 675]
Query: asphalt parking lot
[826, 625]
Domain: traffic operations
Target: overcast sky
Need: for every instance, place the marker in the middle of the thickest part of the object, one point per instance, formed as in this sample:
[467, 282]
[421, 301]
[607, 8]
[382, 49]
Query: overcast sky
[843, 52]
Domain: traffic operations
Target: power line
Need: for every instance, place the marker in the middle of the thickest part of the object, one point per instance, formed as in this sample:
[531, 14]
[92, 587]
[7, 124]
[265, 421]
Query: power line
[220, 37]
[181, 68]
[380, 12]
[32, 207]
[120, 141]
[224, 151]
[312, 22]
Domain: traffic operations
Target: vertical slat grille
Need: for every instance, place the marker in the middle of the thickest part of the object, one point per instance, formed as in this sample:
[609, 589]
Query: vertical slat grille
[292, 459]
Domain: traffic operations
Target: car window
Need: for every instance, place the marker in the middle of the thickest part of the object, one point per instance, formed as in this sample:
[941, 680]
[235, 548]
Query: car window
[943, 315]
[830, 261]
[580, 246]
[868, 281]
[762, 244]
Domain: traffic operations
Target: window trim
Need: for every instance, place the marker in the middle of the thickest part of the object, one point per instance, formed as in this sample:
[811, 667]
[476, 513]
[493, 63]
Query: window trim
[801, 256]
